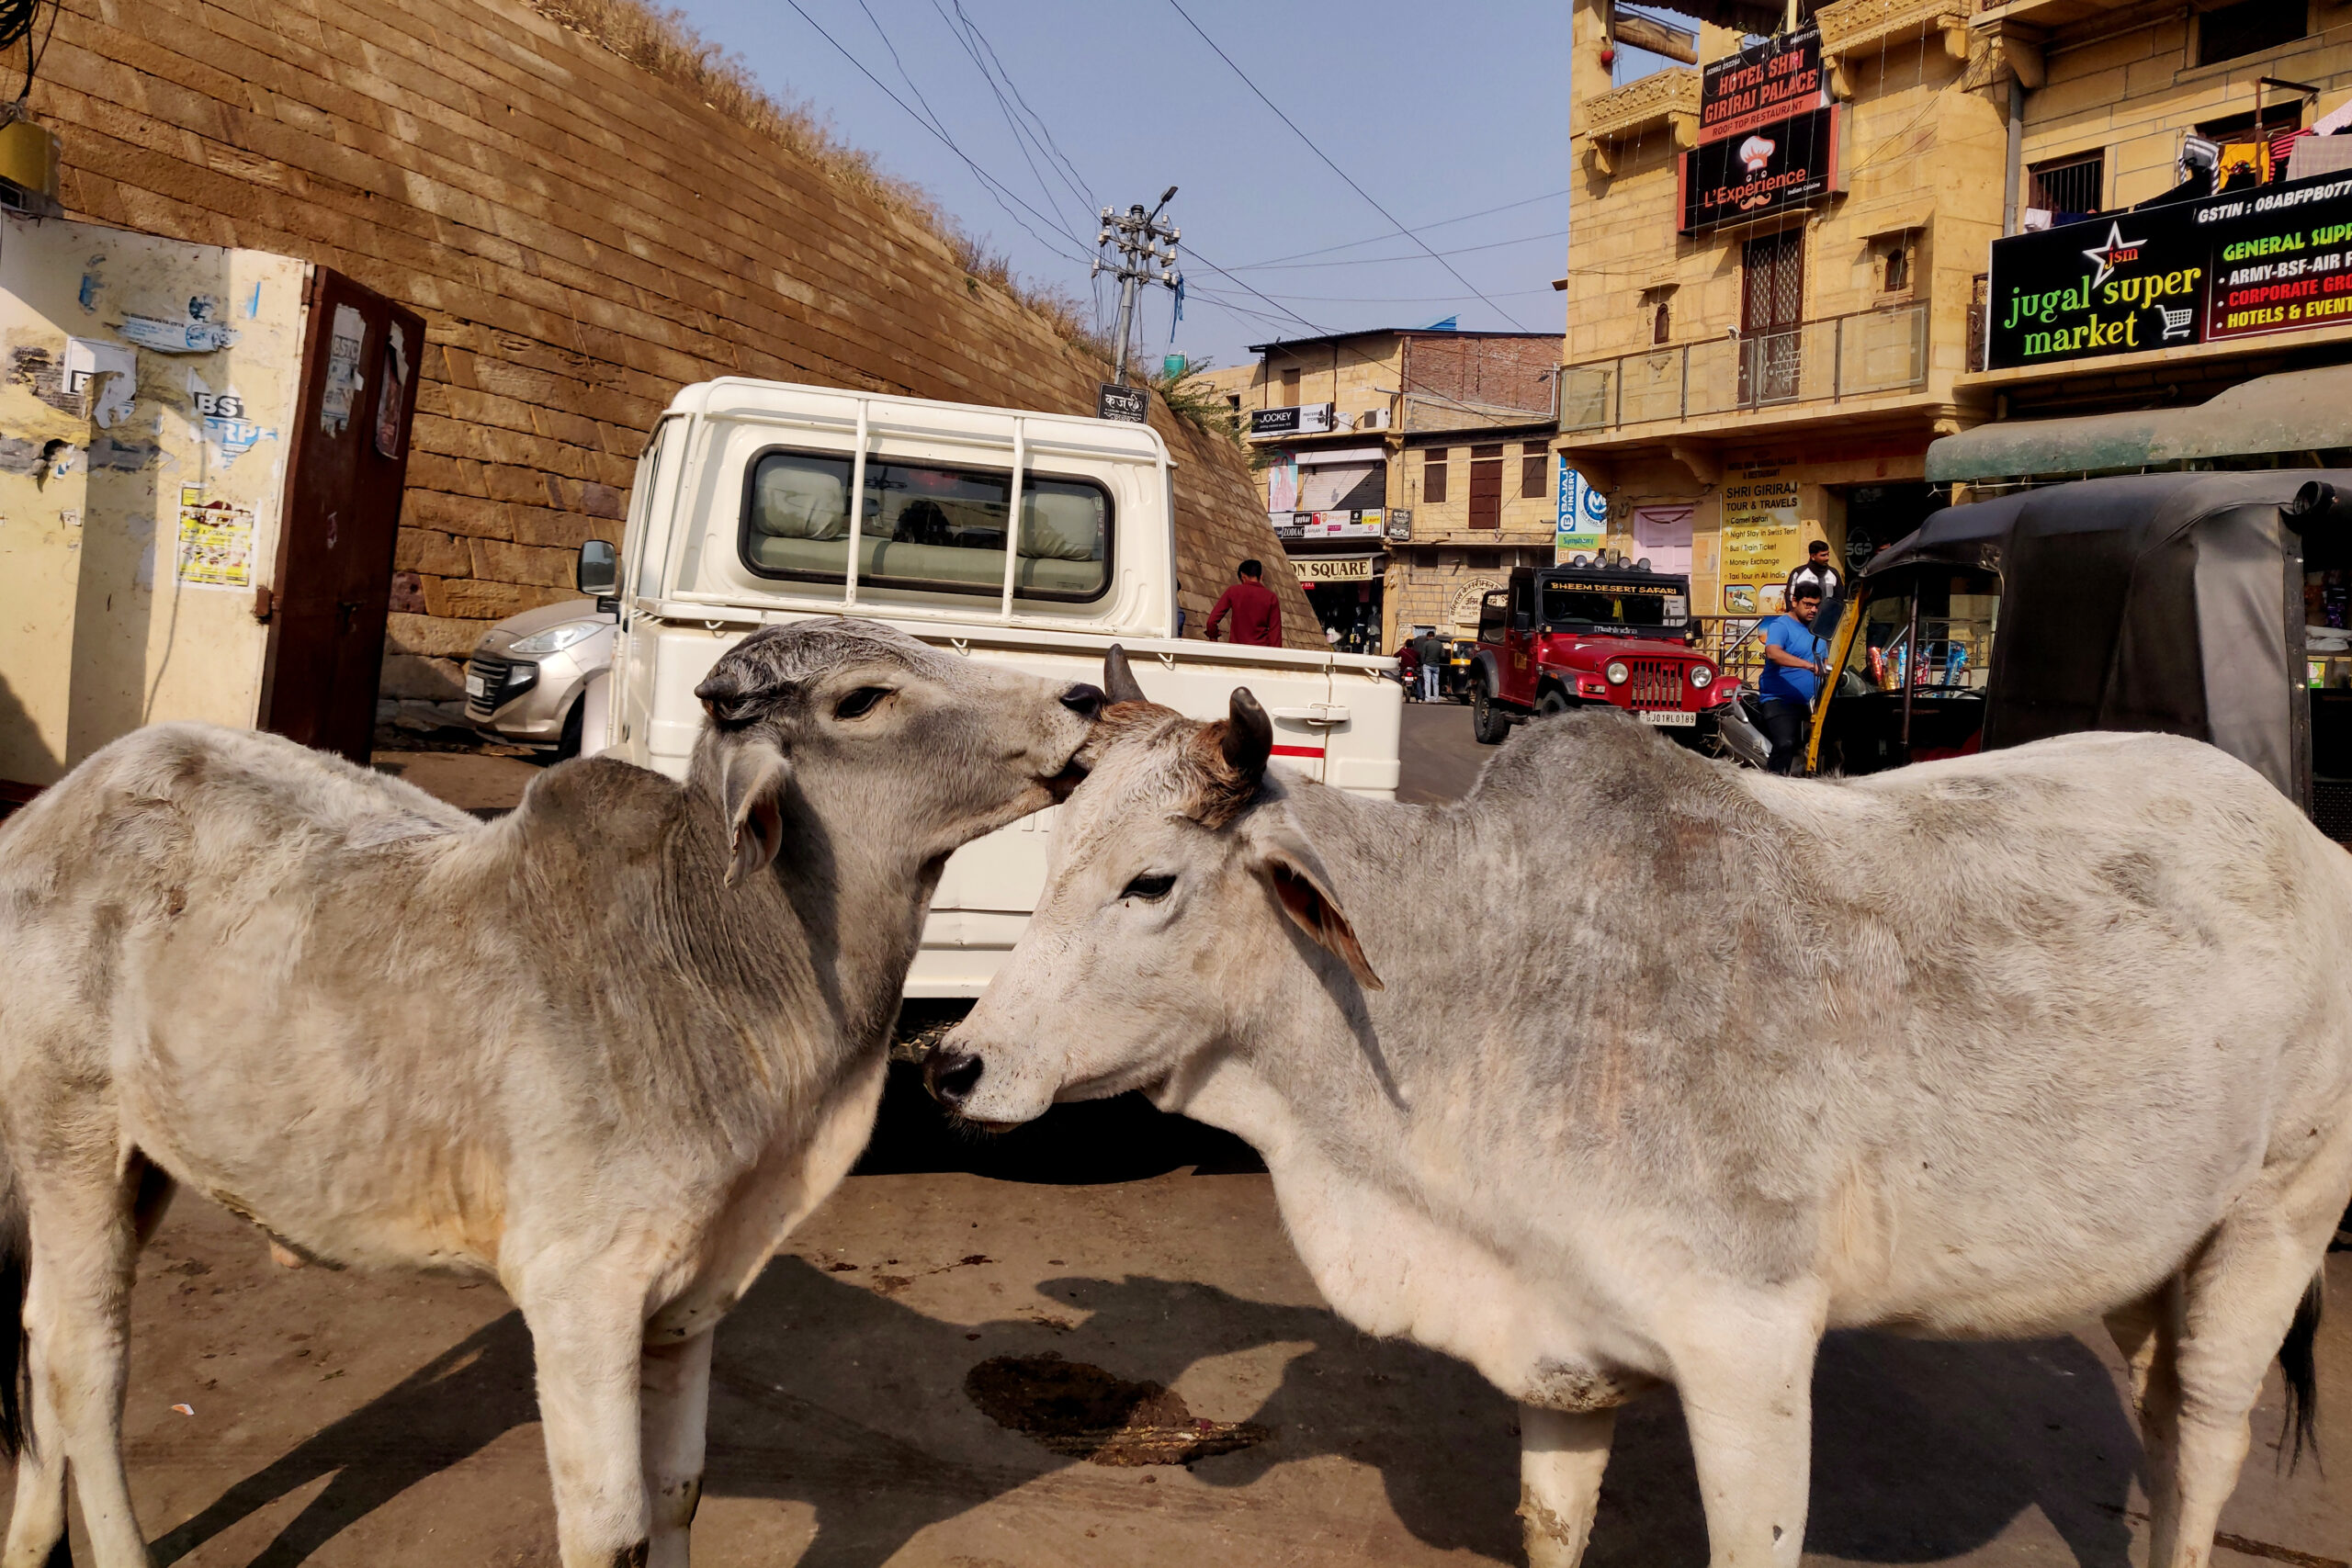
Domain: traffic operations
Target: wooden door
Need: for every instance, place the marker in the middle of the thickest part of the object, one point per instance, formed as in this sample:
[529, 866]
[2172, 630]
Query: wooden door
[1771, 317]
[1485, 487]
[332, 593]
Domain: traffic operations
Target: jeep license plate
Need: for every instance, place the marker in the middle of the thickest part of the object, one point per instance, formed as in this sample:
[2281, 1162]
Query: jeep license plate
[476, 686]
[1670, 717]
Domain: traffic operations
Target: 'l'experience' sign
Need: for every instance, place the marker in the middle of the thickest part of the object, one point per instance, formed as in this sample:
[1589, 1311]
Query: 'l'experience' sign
[2274, 258]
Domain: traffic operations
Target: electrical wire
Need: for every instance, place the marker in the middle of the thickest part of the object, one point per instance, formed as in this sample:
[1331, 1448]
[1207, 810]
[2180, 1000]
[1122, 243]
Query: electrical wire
[1044, 132]
[17, 18]
[1441, 224]
[1021, 140]
[1376, 261]
[991, 182]
[1178, 7]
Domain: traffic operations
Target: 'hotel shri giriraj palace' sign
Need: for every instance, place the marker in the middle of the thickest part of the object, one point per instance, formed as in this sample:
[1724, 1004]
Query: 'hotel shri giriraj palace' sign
[2270, 258]
[1767, 135]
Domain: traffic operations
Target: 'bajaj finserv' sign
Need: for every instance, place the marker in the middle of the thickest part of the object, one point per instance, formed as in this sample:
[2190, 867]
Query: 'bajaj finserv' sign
[2274, 258]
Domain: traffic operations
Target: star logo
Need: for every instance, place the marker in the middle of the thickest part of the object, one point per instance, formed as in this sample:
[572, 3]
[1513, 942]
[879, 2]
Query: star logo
[2112, 255]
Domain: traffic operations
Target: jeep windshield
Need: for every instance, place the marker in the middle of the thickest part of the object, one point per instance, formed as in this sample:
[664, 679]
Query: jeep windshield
[1611, 607]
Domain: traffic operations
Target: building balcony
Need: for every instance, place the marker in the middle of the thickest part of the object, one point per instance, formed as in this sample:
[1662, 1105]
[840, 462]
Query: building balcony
[1869, 353]
[1662, 102]
[1856, 30]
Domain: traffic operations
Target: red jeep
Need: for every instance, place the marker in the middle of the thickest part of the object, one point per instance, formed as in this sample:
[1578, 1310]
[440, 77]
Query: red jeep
[1569, 637]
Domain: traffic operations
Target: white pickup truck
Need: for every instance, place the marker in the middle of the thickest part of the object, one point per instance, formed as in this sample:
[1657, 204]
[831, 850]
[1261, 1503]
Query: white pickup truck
[739, 518]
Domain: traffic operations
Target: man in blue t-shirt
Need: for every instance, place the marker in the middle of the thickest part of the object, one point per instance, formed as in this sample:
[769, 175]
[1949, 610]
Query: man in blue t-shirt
[1792, 669]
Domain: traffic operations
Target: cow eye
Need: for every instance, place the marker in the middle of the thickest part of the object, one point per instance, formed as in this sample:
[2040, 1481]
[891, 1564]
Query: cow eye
[860, 702]
[1150, 887]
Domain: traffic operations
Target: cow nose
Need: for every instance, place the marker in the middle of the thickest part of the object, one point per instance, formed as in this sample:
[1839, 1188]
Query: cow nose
[1084, 700]
[952, 1075]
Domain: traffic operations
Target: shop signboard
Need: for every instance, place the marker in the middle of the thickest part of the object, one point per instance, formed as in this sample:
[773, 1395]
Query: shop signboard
[1337, 569]
[1776, 80]
[1114, 402]
[1780, 167]
[1338, 525]
[1759, 542]
[1306, 419]
[1583, 516]
[2274, 259]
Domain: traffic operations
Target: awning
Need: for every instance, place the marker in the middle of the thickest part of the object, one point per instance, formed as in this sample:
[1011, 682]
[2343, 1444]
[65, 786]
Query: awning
[2297, 410]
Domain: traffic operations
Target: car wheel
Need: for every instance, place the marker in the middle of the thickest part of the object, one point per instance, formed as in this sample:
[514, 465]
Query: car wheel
[574, 724]
[1553, 700]
[1486, 721]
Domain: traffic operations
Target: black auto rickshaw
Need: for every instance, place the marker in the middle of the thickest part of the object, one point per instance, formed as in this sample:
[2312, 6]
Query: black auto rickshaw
[2208, 604]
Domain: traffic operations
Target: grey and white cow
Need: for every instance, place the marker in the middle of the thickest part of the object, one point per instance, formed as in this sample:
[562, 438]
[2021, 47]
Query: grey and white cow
[606, 1050]
[1629, 1068]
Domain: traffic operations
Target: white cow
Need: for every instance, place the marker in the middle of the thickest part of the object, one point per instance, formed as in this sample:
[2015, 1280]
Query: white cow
[1629, 1069]
[606, 1050]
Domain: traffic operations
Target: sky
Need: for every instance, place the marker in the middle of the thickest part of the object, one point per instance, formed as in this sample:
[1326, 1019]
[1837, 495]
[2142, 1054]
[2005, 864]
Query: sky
[1452, 119]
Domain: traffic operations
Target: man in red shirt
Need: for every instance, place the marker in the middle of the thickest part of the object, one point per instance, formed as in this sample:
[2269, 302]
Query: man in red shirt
[1257, 614]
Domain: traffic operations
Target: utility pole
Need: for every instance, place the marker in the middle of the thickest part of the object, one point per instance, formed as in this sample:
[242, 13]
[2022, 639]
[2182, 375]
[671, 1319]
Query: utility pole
[1143, 258]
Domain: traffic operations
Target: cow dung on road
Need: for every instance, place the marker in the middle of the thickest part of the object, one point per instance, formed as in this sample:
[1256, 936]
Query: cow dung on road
[1083, 1412]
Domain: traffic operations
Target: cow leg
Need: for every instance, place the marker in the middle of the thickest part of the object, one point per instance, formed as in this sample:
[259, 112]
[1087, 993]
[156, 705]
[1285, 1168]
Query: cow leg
[1561, 1456]
[588, 1336]
[1747, 1391]
[674, 1390]
[2238, 1298]
[82, 1219]
[2147, 1332]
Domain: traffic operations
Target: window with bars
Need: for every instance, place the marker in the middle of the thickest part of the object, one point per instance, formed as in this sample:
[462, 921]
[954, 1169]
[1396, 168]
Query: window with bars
[2076, 183]
[2249, 27]
[1433, 475]
[1534, 472]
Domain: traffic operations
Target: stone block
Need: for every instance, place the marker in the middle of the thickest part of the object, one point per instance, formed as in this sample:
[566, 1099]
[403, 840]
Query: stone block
[424, 678]
[427, 550]
[435, 634]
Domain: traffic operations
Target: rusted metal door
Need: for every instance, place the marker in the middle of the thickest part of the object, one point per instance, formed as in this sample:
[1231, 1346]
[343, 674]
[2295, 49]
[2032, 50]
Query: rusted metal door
[332, 591]
[1771, 317]
[1485, 487]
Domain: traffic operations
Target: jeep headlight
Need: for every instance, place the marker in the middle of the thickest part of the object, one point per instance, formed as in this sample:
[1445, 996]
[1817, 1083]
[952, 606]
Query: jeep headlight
[555, 639]
[1617, 672]
[1701, 677]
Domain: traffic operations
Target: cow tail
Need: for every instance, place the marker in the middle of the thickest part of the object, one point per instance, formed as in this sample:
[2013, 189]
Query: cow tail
[2302, 1375]
[16, 1260]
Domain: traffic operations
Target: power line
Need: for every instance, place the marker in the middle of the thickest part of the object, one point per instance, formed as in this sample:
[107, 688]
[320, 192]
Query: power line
[1178, 5]
[1053, 149]
[1377, 260]
[1441, 224]
[1020, 140]
[991, 182]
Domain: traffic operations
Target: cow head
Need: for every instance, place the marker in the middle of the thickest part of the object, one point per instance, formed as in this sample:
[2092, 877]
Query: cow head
[1178, 881]
[893, 739]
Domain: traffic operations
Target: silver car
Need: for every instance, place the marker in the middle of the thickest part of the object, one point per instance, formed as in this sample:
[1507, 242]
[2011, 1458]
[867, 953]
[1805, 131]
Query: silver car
[529, 672]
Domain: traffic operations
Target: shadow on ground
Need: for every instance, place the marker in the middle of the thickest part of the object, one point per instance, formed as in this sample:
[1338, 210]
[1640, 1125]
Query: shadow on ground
[1923, 1451]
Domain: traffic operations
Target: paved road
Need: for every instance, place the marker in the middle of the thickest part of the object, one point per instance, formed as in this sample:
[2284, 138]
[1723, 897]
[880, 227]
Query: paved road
[886, 1393]
[1441, 758]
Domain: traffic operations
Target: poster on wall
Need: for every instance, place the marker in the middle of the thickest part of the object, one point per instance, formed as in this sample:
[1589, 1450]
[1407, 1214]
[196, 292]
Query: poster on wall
[1761, 542]
[216, 542]
[1582, 517]
[2265, 260]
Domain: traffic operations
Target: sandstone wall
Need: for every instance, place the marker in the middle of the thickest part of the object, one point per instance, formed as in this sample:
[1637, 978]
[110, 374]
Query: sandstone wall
[582, 237]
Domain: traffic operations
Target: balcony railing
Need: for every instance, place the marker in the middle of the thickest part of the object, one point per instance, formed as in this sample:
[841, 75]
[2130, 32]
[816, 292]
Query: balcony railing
[1823, 361]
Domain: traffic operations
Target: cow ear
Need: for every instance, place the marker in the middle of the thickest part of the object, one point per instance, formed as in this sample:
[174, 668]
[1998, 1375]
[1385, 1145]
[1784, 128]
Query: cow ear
[752, 786]
[1297, 878]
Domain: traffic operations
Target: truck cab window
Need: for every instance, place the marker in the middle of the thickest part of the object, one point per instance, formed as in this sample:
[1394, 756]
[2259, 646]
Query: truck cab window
[924, 527]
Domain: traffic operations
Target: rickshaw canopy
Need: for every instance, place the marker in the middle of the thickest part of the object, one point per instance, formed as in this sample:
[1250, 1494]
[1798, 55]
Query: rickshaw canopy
[2159, 602]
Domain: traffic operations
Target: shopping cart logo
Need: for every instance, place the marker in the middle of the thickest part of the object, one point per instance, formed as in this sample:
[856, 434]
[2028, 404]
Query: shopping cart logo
[2178, 323]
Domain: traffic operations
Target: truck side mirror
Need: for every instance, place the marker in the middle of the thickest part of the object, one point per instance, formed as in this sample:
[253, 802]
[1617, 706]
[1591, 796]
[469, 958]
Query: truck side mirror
[1521, 620]
[599, 570]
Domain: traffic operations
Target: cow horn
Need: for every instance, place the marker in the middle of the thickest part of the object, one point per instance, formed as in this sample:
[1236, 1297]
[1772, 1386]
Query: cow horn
[1248, 737]
[1119, 683]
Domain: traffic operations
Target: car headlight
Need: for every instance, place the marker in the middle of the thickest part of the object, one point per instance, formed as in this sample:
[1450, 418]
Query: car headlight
[555, 639]
[1616, 671]
[1701, 677]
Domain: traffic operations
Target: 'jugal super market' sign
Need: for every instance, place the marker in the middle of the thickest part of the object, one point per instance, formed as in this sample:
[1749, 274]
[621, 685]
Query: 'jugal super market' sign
[2272, 259]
